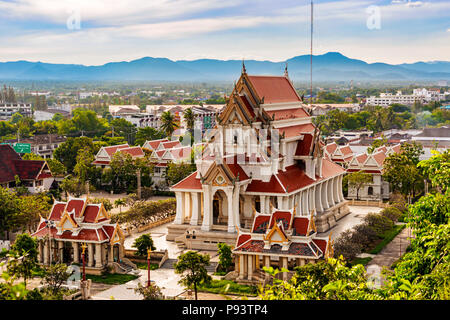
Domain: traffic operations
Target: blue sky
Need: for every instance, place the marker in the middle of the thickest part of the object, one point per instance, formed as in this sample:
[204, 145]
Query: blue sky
[394, 31]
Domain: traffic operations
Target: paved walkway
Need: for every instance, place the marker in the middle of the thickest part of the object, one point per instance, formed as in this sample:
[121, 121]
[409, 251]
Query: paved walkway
[392, 252]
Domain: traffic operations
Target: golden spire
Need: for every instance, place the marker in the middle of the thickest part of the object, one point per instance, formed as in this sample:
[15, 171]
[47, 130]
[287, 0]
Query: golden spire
[83, 247]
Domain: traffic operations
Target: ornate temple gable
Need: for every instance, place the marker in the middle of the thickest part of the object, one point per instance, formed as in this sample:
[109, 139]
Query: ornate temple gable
[117, 236]
[235, 113]
[276, 234]
[219, 175]
[311, 225]
[67, 223]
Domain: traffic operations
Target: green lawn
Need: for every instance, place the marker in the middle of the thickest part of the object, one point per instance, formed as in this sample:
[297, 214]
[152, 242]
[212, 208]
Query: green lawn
[363, 261]
[142, 265]
[114, 278]
[387, 237]
[218, 286]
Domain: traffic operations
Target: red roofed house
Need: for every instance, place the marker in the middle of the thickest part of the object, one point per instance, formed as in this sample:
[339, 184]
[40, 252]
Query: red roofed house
[105, 154]
[75, 223]
[165, 151]
[371, 163]
[33, 174]
[265, 151]
[280, 238]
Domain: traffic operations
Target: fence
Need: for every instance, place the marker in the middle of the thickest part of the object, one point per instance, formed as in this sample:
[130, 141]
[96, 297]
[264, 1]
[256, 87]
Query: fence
[368, 203]
[130, 231]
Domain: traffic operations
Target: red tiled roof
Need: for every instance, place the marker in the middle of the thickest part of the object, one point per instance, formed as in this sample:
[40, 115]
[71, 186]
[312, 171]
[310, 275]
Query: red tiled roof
[134, 151]
[181, 153]
[261, 223]
[362, 158]
[75, 204]
[109, 229]
[300, 225]
[155, 143]
[90, 213]
[346, 151]
[11, 165]
[171, 144]
[190, 182]
[331, 148]
[237, 170]
[297, 130]
[330, 169]
[273, 186]
[57, 210]
[242, 239]
[294, 178]
[304, 146]
[296, 113]
[113, 149]
[101, 162]
[284, 216]
[274, 89]
[322, 244]
[379, 157]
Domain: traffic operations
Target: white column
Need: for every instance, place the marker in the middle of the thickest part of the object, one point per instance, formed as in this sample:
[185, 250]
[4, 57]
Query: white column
[341, 195]
[331, 193]
[308, 205]
[242, 266]
[230, 213]
[250, 266]
[195, 208]
[46, 252]
[319, 206]
[98, 255]
[207, 208]
[325, 195]
[90, 255]
[336, 190]
[262, 201]
[312, 198]
[76, 252]
[179, 215]
[236, 213]
[187, 206]
[280, 202]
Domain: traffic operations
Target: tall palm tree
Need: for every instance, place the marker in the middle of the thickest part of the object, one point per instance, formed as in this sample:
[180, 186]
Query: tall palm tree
[168, 124]
[189, 117]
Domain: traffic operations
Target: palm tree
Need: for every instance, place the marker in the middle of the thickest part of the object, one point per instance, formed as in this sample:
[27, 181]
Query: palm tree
[119, 203]
[189, 117]
[168, 124]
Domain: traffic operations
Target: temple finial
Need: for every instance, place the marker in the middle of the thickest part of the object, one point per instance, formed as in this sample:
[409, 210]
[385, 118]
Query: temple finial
[286, 74]
[243, 67]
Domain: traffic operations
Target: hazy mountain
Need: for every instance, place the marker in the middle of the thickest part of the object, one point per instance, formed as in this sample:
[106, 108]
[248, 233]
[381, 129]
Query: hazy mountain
[330, 66]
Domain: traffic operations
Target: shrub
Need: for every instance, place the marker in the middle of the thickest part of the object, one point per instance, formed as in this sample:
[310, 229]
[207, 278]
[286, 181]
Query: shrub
[378, 223]
[106, 202]
[225, 256]
[392, 213]
[345, 246]
[398, 201]
[364, 235]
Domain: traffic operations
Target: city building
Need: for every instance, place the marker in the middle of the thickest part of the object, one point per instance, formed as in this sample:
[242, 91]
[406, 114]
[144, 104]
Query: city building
[75, 223]
[341, 155]
[434, 137]
[35, 175]
[265, 152]
[419, 95]
[119, 110]
[8, 109]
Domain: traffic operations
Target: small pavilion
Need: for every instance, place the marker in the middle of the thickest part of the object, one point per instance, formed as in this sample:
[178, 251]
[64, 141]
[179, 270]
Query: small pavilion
[75, 223]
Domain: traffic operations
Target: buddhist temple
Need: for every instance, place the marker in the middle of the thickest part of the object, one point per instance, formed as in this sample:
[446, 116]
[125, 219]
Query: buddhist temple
[264, 153]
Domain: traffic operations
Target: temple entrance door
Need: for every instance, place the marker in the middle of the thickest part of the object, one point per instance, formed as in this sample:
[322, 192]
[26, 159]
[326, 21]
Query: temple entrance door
[116, 253]
[67, 253]
[219, 207]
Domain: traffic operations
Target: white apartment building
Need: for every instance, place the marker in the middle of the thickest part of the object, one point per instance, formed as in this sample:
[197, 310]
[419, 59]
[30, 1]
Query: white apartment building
[420, 95]
[8, 109]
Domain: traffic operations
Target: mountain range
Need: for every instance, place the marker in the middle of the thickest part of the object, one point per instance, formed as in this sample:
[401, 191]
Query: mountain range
[332, 66]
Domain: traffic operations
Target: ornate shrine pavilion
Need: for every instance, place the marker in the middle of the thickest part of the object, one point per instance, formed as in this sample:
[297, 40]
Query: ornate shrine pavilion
[74, 223]
[264, 152]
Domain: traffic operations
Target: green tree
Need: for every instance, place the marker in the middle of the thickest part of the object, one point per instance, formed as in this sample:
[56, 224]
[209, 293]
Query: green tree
[55, 276]
[25, 257]
[225, 256]
[189, 117]
[178, 171]
[8, 212]
[168, 124]
[67, 151]
[437, 170]
[357, 180]
[119, 203]
[147, 134]
[152, 292]
[142, 244]
[403, 175]
[192, 267]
